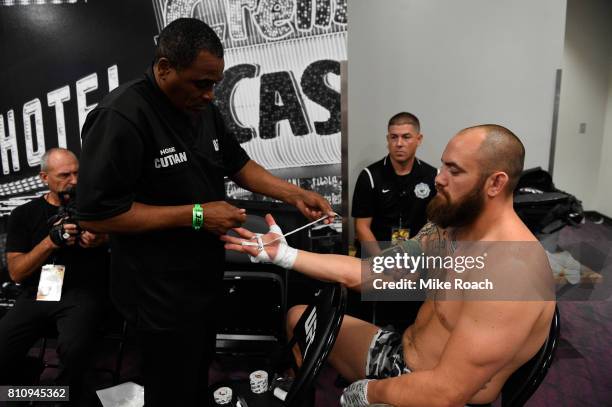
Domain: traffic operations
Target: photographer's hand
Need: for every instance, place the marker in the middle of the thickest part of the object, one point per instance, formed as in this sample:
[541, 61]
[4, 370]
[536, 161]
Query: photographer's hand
[72, 230]
[90, 240]
[62, 235]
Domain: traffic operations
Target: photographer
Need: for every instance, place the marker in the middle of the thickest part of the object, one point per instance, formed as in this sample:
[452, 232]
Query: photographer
[70, 295]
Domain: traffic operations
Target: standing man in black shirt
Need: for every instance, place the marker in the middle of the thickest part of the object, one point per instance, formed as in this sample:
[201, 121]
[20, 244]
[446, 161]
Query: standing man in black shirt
[389, 204]
[155, 153]
[33, 244]
[392, 194]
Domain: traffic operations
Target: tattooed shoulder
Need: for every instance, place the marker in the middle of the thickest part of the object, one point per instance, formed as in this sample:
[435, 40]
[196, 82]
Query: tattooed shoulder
[432, 236]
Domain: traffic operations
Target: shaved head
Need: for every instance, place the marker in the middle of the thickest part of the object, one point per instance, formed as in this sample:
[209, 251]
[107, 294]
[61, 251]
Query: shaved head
[405, 118]
[500, 150]
[52, 155]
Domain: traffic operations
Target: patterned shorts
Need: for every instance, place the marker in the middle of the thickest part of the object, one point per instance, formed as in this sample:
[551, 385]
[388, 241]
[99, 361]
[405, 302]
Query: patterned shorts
[386, 356]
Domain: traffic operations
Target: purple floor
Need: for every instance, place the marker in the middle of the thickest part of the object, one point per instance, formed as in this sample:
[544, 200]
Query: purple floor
[581, 374]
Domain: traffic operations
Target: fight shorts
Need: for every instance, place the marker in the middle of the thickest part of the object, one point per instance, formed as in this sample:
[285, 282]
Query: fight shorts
[386, 356]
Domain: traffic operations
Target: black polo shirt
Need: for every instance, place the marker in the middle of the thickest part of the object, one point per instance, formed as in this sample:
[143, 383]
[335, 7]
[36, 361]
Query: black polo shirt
[386, 197]
[137, 147]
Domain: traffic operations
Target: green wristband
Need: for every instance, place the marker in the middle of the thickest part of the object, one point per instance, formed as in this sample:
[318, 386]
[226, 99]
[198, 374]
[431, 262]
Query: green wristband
[197, 218]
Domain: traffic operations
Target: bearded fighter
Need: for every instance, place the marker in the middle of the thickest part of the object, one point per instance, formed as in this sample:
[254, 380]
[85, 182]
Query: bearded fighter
[457, 351]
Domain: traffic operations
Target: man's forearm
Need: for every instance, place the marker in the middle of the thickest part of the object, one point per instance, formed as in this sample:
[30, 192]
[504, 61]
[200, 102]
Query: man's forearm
[22, 265]
[413, 390]
[143, 218]
[330, 267]
[369, 244]
[259, 180]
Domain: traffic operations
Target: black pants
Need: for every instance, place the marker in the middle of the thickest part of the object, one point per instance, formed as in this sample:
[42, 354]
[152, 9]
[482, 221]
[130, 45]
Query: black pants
[76, 318]
[175, 364]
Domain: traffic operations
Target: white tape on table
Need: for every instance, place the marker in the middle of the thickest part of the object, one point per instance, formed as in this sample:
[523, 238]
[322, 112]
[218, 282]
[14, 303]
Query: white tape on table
[259, 381]
[223, 396]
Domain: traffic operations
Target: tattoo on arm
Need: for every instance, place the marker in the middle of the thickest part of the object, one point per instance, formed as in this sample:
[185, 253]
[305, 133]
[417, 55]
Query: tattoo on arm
[429, 233]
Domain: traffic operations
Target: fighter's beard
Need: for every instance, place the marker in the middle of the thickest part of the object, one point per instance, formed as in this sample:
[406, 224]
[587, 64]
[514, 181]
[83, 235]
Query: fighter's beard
[445, 213]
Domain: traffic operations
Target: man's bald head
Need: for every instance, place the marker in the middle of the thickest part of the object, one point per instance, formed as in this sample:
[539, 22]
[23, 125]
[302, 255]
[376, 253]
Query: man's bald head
[52, 155]
[499, 150]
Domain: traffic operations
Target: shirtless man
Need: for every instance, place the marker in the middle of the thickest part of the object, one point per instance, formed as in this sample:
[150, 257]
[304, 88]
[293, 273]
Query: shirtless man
[456, 352]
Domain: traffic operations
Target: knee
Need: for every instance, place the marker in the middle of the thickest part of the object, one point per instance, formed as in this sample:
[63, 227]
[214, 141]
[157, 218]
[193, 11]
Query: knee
[293, 316]
[75, 349]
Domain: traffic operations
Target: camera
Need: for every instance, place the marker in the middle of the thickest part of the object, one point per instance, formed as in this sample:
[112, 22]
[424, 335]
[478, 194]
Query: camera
[65, 215]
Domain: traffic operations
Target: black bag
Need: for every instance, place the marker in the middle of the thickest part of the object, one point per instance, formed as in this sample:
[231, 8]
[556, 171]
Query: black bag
[544, 208]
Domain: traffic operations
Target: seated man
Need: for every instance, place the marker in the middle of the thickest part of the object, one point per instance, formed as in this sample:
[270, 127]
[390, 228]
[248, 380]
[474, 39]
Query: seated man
[33, 243]
[457, 351]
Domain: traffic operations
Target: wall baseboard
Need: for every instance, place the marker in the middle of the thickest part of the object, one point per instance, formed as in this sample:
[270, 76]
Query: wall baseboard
[594, 214]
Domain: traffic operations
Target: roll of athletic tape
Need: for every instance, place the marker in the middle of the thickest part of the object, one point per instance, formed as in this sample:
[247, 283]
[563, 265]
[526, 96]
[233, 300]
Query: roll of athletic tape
[223, 396]
[259, 381]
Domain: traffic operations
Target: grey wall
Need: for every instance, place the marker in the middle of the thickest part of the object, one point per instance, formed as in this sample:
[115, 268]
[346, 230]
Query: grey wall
[580, 167]
[603, 197]
[453, 64]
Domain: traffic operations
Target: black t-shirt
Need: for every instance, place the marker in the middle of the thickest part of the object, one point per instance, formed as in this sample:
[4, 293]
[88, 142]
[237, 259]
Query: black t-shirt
[137, 147]
[390, 199]
[85, 268]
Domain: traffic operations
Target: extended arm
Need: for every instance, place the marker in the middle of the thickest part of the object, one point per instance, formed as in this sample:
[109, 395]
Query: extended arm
[327, 267]
[330, 267]
[257, 179]
[219, 216]
[142, 218]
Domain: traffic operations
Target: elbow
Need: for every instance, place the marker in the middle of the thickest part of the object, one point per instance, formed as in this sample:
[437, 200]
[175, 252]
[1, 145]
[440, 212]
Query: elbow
[452, 399]
[350, 273]
[447, 395]
[444, 401]
[15, 277]
[452, 403]
[351, 282]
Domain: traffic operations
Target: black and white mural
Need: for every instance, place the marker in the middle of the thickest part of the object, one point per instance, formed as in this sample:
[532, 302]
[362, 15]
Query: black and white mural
[280, 95]
[281, 92]
[59, 59]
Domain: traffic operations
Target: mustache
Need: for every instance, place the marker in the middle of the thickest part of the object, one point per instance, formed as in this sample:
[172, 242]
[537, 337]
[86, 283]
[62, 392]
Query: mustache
[443, 192]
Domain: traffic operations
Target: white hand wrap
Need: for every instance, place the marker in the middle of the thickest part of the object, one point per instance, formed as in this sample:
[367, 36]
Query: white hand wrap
[285, 255]
[356, 395]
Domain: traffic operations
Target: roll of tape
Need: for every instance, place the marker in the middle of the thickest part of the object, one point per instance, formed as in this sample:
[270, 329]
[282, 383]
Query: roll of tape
[223, 396]
[259, 381]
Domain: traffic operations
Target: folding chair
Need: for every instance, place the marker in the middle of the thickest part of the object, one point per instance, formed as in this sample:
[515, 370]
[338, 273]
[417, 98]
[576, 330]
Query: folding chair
[524, 382]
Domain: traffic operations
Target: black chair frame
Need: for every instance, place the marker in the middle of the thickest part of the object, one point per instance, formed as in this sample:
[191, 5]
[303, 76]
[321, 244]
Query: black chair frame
[314, 335]
[523, 383]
